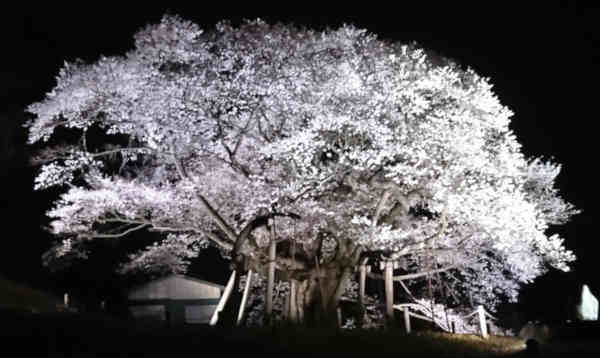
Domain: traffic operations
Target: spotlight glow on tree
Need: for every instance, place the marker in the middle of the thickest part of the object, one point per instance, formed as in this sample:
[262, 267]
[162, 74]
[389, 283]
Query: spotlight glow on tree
[336, 144]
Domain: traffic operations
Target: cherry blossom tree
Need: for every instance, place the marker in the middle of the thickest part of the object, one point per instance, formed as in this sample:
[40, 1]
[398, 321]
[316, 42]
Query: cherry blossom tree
[336, 145]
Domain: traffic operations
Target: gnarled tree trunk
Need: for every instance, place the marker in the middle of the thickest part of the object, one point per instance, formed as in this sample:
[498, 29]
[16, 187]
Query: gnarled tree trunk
[316, 282]
[314, 301]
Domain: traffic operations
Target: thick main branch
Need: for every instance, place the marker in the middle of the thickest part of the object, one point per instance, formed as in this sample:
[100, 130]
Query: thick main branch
[209, 209]
[411, 276]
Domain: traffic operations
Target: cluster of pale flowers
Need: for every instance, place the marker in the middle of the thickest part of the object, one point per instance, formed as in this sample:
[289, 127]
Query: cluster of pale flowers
[264, 118]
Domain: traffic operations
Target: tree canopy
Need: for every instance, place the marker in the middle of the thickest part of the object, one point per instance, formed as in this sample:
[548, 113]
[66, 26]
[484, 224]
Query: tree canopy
[335, 143]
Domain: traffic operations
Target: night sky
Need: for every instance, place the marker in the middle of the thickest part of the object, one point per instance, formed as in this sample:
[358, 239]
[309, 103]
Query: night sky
[543, 62]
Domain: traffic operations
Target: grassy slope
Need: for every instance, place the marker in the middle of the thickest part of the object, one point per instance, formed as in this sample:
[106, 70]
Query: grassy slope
[88, 335]
[19, 297]
[62, 335]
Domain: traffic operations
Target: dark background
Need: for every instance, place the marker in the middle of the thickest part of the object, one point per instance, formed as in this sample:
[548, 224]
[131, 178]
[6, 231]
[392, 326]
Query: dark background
[542, 61]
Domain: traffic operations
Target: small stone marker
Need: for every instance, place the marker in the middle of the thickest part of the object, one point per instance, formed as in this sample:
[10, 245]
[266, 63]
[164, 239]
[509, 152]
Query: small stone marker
[587, 308]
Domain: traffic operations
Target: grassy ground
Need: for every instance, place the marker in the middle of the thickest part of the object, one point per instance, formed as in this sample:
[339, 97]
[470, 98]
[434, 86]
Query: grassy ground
[20, 297]
[69, 335]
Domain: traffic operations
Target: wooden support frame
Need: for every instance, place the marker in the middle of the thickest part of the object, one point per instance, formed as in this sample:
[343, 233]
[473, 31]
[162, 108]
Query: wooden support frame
[482, 323]
[223, 300]
[406, 311]
[362, 283]
[389, 291]
[244, 298]
[270, 277]
[388, 277]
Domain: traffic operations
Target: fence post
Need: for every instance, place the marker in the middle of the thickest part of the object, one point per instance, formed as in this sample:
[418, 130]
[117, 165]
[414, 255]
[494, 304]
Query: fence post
[482, 324]
[406, 318]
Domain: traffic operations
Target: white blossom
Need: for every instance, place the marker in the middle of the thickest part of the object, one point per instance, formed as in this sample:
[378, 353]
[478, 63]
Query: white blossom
[263, 118]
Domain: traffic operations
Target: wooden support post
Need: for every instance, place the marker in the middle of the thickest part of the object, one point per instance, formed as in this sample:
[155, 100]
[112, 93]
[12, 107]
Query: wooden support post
[270, 282]
[361, 284]
[389, 291]
[482, 324]
[244, 298]
[362, 278]
[406, 311]
[285, 313]
[223, 300]
[66, 300]
[293, 311]
[300, 299]
[339, 317]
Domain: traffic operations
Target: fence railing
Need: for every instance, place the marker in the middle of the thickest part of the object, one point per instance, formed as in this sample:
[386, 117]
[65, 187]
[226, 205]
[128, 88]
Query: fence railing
[483, 315]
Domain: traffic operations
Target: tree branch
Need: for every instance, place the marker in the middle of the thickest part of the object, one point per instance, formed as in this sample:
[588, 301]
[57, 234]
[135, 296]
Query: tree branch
[411, 275]
[119, 150]
[214, 238]
[158, 227]
[211, 211]
[254, 224]
[114, 236]
[407, 291]
[380, 205]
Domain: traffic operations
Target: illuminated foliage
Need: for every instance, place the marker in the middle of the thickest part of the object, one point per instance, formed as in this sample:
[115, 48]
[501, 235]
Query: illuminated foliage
[351, 145]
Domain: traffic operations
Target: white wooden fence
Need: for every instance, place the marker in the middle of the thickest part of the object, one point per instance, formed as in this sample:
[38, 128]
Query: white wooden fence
[480, 311]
